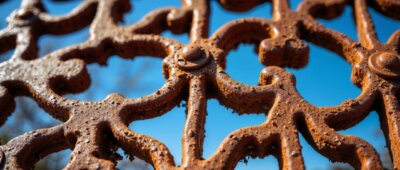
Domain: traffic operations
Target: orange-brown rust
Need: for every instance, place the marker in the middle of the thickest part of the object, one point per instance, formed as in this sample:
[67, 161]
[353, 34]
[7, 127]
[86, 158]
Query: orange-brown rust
[195, 72]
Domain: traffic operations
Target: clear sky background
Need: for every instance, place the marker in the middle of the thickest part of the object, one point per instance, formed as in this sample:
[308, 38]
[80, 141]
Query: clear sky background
[325, 81]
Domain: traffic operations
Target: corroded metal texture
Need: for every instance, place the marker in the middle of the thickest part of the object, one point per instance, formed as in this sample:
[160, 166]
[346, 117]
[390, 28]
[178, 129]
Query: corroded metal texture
[195, 72]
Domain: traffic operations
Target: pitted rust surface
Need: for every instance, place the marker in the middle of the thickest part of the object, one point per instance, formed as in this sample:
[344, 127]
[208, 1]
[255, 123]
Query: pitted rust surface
[195, 72]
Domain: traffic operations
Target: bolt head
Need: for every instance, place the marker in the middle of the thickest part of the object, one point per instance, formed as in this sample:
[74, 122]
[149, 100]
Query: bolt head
[385, 64]
[192, 57]
[389, 61]
[192, 52]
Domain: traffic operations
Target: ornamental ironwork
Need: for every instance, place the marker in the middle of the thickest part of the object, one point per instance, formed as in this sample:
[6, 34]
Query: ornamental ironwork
[195, 72]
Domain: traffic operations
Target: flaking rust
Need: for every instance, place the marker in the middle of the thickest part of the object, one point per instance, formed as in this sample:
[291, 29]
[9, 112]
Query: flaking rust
[198, 67]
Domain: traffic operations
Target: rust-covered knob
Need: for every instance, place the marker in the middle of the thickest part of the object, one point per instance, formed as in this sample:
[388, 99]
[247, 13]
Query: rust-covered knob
[192, 57]
[385, 64]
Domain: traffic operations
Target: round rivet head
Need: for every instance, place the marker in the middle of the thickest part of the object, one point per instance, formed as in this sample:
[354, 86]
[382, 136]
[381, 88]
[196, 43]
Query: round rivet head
[192, 57]
[192, 52]
[385, 64]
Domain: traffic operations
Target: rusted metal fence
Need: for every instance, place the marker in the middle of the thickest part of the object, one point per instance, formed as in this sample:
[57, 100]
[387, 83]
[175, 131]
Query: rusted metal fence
[195, 72]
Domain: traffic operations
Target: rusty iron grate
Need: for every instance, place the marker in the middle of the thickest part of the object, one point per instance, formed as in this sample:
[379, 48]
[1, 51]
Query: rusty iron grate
[195, 72]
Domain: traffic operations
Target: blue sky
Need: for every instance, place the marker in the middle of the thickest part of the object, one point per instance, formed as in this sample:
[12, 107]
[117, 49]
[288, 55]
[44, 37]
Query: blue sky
[325, 81]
